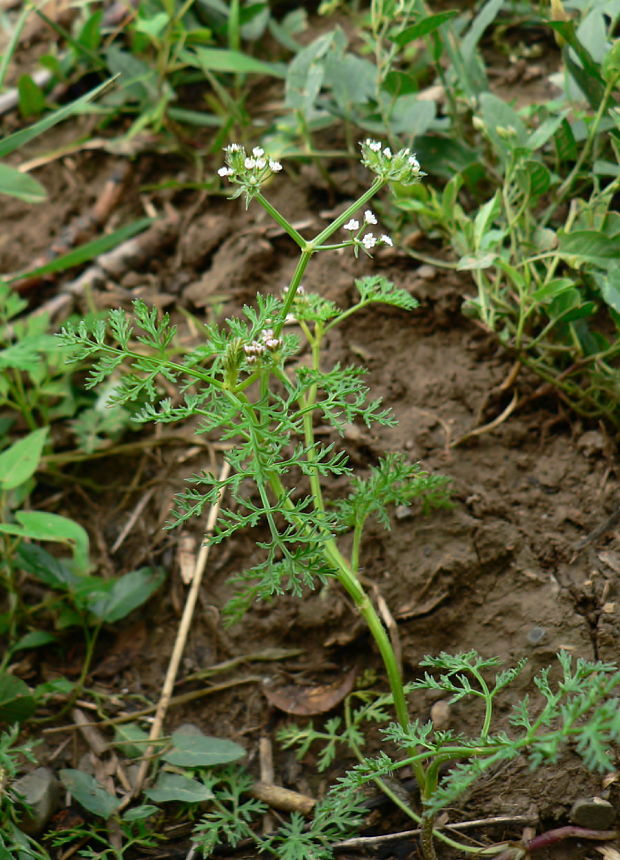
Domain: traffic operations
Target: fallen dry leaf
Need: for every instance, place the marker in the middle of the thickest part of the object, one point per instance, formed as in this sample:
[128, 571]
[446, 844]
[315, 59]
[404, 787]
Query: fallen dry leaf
[308, 701]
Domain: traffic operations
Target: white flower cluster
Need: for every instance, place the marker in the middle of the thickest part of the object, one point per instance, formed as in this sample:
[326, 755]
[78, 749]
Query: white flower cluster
[248, 171]
[401, 166]
[267, 343]
[368, 240]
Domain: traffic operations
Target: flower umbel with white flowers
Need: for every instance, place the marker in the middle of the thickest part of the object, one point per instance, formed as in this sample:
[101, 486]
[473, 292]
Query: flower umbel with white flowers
[367, 241]
[249, 172]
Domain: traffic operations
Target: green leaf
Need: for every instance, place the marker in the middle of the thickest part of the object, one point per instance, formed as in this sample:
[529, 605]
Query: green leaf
[89, 793]
[31, 97]
[127, 593]
[552, 289]
[483, 19]
[427, 25]
[139, 813]
[194, 750]
[19, 462]
[175, 787]
[20, 185]
[153, 26]
[86, 252]
[502, 124]
[224, 60]
[21, 138]
[609, 285]
[41, 525]
[307, 70]
[130, 739]
[533, 177]
[589, 246]
[16, 700]
[46, 567]
[411, 115]
[547, 129]
[90, 34]
[485, 217]
[34, 639]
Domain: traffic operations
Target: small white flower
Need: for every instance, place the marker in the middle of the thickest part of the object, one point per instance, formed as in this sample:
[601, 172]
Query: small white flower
[369, 217]
[232, 147]
[274, 166]
[258, 151]
[413, 161]
[352, 225]
[373, 144]
[267, 333]
[387, 152]
[386, 240]
[249, 163]
[273, 343]
[225, 171]
[369, 241]
[260, 163]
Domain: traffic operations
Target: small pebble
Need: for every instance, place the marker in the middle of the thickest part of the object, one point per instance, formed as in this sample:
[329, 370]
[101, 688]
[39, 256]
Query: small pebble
[426, 272]
[536, 635]
[41, 791]
[440, 715]
[592, 812]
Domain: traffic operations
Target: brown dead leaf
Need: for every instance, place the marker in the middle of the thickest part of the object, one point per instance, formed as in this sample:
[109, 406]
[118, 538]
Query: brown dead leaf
[308, 701]
[128, 645]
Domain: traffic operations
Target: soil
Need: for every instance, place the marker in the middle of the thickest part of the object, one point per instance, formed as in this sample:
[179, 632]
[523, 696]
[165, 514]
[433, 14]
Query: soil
[518, 567]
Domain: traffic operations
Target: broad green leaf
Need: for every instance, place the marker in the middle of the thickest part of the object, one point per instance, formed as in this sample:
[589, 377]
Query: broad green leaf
[483, 19]
[19, 462]
[127, 593]
[46, 567]
[175, 787]
[89, 793]
[41, 525]
[548, 127]
[428, 24]
[533, 177]
[589, 246]
[153, 26]
[90, 34]
[352, 79]
[307, 70]
[13, 183]
[31, 97]
[194, 750]
[130, 739]
[137, 80]
[552, 289]
[412, 116]
[485, 217]
[609, 285]
[16, 700]
[86, 252]
[139, 813]
[224, 60]
[34, 639]
[565, 143]
[483, 261]
[502, 124]
[21, 138]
